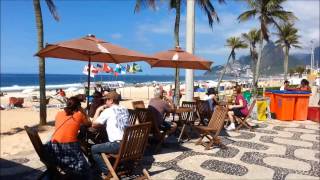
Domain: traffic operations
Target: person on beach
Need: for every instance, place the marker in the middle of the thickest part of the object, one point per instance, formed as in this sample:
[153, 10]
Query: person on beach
[285, 85]
[211, 97]
[240, 108]
[159, 107]
[64, 145]
[115, 117]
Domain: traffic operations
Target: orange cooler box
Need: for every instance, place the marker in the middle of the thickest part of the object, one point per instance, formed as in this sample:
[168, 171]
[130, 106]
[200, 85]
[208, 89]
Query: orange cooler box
[285, 105]
[272, 101]
[301, 107]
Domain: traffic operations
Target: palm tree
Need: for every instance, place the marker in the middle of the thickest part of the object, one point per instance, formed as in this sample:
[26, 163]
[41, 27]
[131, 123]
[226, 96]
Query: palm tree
[252, 37]
[42, 81]
[234, 43]
[300, 70]
[268, 12]
[208, 8]
[288, 38]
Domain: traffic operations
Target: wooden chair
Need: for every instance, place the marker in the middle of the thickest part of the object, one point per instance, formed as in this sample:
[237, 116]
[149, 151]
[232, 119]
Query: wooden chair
[53, 171]
[187, 118]
[138, 104]
[213, 129]
[142, 114]
[203, 111]
[133, 116]
[158, 134]
[243, 120]
[131, 151]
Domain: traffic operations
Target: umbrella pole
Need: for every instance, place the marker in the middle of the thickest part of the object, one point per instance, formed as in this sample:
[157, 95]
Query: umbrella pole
[176, 88]
[89, 73]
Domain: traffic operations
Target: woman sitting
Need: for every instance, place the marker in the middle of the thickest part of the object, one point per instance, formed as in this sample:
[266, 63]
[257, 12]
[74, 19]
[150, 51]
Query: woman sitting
[240, 108]
[64, 145]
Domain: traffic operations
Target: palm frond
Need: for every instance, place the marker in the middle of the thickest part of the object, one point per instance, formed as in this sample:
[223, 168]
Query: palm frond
[144, 3]
[247, 15]
[53, 9]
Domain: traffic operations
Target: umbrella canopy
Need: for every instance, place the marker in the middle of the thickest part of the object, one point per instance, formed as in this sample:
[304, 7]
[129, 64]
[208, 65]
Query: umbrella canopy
[93, 49]
[178, 58]
[89, 49]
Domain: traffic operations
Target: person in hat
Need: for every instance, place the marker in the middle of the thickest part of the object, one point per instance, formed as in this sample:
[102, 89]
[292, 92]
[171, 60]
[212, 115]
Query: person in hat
[115, 118]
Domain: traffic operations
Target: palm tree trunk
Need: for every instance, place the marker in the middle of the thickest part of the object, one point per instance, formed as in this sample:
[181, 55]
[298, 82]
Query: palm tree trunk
[258, 64]
[42, 81]
[224, 71]
[176, 37]
[286, 62]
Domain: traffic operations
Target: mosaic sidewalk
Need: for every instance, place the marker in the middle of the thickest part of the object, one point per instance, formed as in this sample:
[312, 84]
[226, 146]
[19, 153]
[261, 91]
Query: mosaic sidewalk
[276, 150]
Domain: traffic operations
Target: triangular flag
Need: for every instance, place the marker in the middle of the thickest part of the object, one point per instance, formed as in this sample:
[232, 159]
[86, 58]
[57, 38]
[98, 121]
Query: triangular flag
[85, 71]
[106, 68]
[99, 67]
[131, 70]
[123, 70]
[136, 67]
[128, 68]
[116, 73]
[117, 68]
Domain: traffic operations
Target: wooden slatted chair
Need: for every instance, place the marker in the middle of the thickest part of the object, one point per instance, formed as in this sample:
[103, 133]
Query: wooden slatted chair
[187, 118]
[203, 111]
[53, 171]
[131, 151]
[213, 129]
[142, 114]
[133, 116]
[138, 104]
[243, 120]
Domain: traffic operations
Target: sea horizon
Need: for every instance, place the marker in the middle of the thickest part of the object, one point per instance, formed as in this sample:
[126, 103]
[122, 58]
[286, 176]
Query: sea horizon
[31, 79]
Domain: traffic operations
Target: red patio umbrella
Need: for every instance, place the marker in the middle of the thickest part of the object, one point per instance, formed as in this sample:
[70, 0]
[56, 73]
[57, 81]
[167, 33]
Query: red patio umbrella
[178, 58]
[89, 48]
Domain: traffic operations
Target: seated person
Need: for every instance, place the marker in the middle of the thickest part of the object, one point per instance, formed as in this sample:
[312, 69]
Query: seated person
[285, 85]
[211, 97]
[159, 107]
[240, 108]
[64, 145]
[304, 85]
[115, 117]
[96, 103]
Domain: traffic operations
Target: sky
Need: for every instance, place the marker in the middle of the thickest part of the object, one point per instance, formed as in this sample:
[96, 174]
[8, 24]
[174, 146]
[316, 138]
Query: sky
[147, 31]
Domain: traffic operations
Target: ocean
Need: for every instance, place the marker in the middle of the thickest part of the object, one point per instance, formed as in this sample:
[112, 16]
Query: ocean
[20, 80]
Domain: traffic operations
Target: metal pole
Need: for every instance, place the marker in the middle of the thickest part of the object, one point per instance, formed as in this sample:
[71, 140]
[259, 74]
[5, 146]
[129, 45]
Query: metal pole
[190, 47]
[89, 73]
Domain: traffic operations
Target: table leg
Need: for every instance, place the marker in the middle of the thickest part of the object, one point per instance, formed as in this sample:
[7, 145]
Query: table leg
[182, 130]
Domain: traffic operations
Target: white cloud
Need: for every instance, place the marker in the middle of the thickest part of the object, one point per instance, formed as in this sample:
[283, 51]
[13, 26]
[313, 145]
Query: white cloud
[116, 36]
[308, 16]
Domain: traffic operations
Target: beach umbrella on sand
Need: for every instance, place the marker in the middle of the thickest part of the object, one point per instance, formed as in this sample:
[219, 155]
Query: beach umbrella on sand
[178, 58]
[91, 49]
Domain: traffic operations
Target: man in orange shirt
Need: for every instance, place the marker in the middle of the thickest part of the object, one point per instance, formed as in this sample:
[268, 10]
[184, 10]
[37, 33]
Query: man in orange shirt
[64, 145]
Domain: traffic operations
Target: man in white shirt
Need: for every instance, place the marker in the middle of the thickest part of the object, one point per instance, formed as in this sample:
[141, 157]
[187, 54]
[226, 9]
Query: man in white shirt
[115, 117]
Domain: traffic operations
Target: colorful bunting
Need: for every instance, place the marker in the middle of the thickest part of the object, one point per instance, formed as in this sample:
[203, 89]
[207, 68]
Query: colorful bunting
[106, 68]
[99, 67]
[117, 68]
[123, 70]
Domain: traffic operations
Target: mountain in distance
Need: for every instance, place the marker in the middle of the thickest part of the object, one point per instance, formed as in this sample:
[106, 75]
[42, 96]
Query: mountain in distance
[271, 62]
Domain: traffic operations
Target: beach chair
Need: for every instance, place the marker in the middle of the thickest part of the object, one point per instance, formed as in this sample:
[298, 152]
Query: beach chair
[131, 151]
[203, 111]
[133, 116]
[213, 129]
[243, 120]
[138, 104]
[53, 171]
